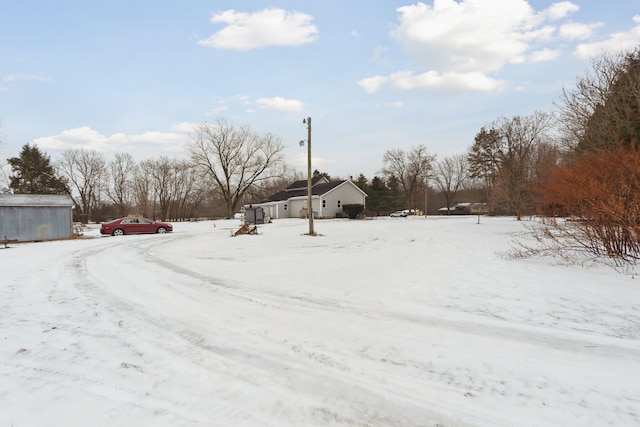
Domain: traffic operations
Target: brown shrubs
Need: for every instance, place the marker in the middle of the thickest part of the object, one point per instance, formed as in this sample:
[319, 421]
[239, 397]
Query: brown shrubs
[599, 193]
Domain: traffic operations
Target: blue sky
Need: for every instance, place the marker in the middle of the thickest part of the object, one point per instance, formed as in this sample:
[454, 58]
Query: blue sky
[125, 76]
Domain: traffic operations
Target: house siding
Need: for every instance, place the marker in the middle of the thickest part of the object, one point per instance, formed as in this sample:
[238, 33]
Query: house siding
[296, 205]
[295, 198]
[344, 194]
[281, 211]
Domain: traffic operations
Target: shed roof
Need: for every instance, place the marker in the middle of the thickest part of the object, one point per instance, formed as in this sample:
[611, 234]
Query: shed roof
[36, 200]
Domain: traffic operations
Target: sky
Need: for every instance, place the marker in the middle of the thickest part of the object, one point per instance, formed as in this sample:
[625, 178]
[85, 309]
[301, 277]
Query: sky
[404, 322]
[137, 77]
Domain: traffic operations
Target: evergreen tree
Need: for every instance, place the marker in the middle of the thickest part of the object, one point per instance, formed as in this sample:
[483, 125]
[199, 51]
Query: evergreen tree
[601, 113]
[484, 157]
[378, 200]
[361, 182]
[397, 198]
[318, 174]
[34, 174]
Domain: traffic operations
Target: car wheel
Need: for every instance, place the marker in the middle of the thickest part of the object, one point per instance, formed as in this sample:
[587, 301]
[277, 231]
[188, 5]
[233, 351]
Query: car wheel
[162, 230]
[118, 232]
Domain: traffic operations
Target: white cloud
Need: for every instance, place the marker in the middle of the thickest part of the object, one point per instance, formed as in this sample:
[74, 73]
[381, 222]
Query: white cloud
[184, 128]
[543, 34]
[7, 80]
[544, 55]
[216, 111]
[280, 104]
[577, 31]
[372, 84]
[450, 81]
[24, 77]
[396, 104]
[90, 139]
[457, 44]
[469, 36]
[378, 56]
[560, 10]
[616, 42]
[300, 160]
[268, 27]
[83, 137]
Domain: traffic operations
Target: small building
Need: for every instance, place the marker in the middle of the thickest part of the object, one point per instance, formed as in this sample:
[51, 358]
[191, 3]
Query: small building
[254, 215]
[465, 209]
[327, 199]
[36, 217]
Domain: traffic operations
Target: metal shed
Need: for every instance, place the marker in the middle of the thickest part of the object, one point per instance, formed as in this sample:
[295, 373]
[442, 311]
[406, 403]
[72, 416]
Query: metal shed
[36, 217]
[254, 215]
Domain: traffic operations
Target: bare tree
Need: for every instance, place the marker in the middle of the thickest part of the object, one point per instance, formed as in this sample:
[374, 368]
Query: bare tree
[520, 137]
[155, 187]
[410, 169]
[159, 188]
[4, 173]
[161, 171]
[510, 157]
[177, 188]
[4, 178]
[449, 176]
[188, 190]
[235, 158]
[143, 190]
[122, 171]
[86, 172]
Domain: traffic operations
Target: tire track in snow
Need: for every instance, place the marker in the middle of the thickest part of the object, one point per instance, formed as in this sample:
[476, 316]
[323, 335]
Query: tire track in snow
[472, 324]
[570, 344]
[243, 362]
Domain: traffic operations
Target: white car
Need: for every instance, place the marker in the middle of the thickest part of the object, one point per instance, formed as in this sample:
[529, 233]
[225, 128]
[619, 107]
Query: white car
[398, 214]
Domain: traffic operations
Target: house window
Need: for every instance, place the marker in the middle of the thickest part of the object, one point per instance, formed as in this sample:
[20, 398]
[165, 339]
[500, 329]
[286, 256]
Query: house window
[324, 203]
[285, 206]
[338, 203]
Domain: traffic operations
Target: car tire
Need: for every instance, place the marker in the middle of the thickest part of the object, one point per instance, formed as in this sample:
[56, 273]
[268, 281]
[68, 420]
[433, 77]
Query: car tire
[118, 232]
[162, 230]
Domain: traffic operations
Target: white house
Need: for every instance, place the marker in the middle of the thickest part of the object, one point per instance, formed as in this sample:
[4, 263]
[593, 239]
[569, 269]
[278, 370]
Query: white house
[327, 199]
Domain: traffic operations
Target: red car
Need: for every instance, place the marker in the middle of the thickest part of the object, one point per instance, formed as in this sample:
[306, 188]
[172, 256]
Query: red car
[130, 225]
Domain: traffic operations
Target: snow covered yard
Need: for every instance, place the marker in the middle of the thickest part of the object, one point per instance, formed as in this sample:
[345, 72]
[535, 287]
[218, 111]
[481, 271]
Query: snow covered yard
[384, 322]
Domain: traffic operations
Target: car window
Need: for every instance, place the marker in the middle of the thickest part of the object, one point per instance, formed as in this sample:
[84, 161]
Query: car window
[145, 221]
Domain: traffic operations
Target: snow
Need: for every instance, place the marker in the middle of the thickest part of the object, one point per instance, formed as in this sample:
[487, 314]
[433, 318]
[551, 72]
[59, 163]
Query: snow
[382, 322]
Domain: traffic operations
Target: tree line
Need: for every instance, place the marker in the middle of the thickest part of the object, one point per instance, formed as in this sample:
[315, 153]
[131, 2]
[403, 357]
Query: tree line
[549, 164]
[227, 165]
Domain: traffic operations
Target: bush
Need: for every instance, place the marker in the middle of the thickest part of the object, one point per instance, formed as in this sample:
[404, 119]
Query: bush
[600, 193]
[353, 210]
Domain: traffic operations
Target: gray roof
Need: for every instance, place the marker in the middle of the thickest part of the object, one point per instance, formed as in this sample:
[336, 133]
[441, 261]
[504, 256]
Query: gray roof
[36, 200]
[291, 191]
[302, 184]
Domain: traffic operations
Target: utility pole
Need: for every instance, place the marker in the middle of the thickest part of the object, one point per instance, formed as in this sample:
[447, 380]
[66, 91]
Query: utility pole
[309, 201]
[426, 191]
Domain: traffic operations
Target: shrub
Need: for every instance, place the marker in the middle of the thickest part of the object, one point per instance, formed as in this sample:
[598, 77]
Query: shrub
[600, 193]
[353, 210]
